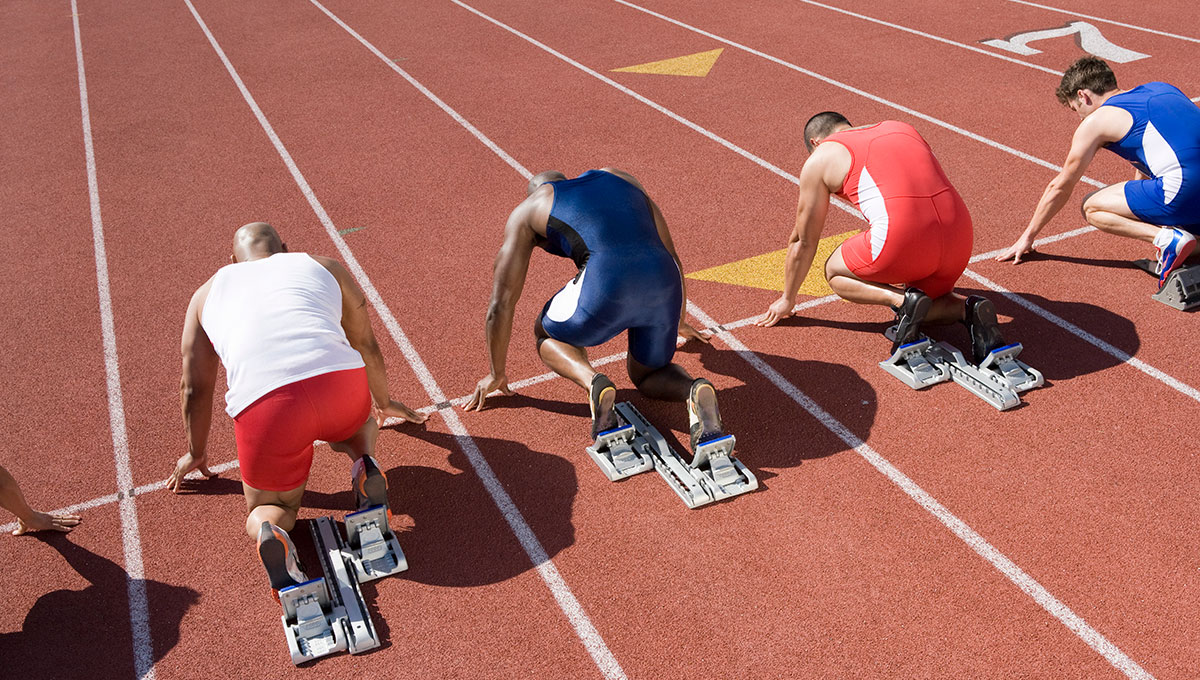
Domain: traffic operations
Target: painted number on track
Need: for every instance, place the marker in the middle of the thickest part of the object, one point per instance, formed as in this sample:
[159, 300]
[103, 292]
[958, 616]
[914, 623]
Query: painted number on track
[1087, 36]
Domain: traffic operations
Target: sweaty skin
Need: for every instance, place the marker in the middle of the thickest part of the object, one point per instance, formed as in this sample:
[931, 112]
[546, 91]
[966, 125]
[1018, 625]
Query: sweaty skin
[822, 176]
[28, 519]
[525, 229]
[1105, 209]
[200, 361]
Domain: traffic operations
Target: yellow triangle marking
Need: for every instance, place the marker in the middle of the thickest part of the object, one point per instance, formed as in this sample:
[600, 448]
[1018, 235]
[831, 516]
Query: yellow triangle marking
[766, 270]
[696, 65]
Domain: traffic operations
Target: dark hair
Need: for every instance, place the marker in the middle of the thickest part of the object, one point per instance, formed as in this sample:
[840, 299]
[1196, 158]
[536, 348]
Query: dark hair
[821, 126]
[1087, 73]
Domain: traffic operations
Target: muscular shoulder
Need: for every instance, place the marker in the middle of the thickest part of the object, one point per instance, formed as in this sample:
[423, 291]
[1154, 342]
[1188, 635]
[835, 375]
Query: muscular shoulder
[1106, 124]
[829, 164]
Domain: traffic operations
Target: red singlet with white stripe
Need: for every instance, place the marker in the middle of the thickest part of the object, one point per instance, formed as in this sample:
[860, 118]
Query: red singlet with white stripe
[920, 231]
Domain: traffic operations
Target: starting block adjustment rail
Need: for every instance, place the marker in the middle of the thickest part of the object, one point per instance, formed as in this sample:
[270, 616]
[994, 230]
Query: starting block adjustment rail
[998, 379]
[344, 590]
[715, 474]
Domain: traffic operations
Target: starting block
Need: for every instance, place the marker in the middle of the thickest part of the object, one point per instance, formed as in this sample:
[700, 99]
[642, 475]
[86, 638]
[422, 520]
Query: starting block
[621, 452]
[714, 474]
[373, 548]
[1182, 289]
[998, 379]
[314, 627]
[911, 364]
[344, 591]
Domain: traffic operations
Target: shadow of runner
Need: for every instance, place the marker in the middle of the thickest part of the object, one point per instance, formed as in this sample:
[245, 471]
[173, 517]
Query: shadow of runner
[458, 537]
[86, 633]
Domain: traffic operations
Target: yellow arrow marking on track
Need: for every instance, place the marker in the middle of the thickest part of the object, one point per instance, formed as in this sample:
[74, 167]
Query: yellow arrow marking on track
[766, 270]
[696, 65]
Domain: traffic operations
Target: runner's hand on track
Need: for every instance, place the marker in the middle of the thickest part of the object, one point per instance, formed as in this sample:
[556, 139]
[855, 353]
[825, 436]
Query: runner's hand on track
[1022, 246]
[395, 409]
[688, 333]
[42, 521]
[779, 309]
[485, 387]
[187, 463]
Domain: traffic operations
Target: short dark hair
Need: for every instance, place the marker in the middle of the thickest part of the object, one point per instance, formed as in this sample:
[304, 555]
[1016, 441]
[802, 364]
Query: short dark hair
[1087, 73]
[821, 126]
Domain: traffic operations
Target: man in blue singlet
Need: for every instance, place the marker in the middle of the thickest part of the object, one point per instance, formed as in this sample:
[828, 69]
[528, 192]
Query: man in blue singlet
[629, 278]
[1157, 129]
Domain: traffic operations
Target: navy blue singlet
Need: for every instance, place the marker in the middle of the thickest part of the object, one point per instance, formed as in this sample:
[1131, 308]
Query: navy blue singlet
[627, 279]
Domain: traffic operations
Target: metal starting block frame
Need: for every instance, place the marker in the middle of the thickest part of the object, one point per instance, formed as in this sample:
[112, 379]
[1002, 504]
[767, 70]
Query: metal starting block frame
[621, 452]
[1182, 289]
[715, 474]
[313, 625]
[373, 548]
[998, 379]
[913, 367]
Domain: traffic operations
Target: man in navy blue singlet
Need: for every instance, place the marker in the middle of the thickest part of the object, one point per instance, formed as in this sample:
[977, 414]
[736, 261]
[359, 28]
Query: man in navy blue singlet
[628, 278]
[1157, 129]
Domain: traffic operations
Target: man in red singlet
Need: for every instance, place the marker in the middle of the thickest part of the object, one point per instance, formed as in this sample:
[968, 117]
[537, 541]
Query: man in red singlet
[919, 240]
[301, 364]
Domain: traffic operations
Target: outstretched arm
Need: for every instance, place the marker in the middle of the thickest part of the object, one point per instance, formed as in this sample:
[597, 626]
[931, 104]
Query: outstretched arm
[196, 387]
[1099, 128]
[28, 519]
[356, 322]
[686, 331]
[811, 210]
[508, 280]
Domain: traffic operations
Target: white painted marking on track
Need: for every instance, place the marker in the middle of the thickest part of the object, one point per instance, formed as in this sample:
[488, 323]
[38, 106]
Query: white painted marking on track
[1150, 370]
[135, 582]
[937, 38]
[862, 93]
[1107, 21]
[980, 545]
[1113, 351]
[1088, 36]
[992, 254]
[972, 538]
[570, 606]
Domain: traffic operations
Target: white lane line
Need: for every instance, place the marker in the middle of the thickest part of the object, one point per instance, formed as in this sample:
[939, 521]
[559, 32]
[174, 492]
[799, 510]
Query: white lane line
[1006, 566]
[978, 543]
[991, 254]
[1107, 21]
[931, 36]
[135, 582]
[1113, 351]
[794, 180]
[854, 90]
[661, 109]
[570, 606]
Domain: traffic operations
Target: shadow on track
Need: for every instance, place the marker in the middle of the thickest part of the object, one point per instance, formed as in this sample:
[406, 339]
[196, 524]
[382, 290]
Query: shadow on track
[458, 536]
[772, 430]
[86, 633]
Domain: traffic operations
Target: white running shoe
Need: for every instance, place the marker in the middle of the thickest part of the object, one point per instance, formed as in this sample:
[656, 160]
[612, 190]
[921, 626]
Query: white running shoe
[1174, 246]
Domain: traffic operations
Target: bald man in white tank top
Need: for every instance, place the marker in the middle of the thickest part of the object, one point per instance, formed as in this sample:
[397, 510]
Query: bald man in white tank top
[301, 364]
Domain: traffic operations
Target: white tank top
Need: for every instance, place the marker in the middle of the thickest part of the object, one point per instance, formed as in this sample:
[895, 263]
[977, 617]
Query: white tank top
[273, 322]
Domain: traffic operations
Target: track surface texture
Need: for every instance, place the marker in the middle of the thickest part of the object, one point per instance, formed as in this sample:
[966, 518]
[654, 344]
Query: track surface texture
[896, 534]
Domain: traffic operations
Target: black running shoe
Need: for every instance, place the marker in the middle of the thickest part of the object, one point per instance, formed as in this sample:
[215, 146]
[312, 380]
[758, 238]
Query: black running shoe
[601, 387]
[909, 317]
[370, 486]
[981, 322]
[278, 555]
[703, 397]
